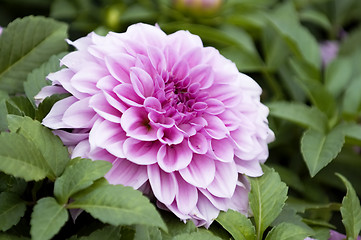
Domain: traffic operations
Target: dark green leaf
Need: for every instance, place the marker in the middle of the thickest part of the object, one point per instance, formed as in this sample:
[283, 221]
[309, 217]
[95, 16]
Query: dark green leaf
[12, 184]
[12, 208]
[24, 45]
[319, 149]
[266, 199]
[47, 219]
[197, 236]
[117, 205]
[80, 174]
[350, 210]
[36, 80]
[3, 111]
[56, 156]
[46, 105]
[20, 105]
[105, 233]
[147, 233]
[175, 226]
[237, 224]
[352, 98]
[289, 215]
[353, 132]
[287, 231]
[5, 236]
[316, 17]
[300, 114]
[21, 158]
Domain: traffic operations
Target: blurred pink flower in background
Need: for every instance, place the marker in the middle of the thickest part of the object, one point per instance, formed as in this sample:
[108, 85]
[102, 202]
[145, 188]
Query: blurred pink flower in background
[329, 51]
[334, 236]
[1, 30]
[176, 119]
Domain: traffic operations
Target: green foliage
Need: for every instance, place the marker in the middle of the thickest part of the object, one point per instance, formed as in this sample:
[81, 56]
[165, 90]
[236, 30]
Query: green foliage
[287, 231]
[350, 210]
[105, 233]
[237, 224]
[47, 218]
[55, 155]
[267, 198]
[12, 208]
[44, 38]
[319, 149]
[196, 236]
[118, 205]
[80, 174]
[36, 80]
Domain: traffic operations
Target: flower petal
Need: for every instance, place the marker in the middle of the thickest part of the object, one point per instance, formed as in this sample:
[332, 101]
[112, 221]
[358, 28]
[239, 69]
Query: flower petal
[119, 65]
[170, 135]
[225, 180]
[139, 152]
[136, 124]
[79, 114]
[198, 143]
[174, 157]
[200, 172]
[54, 118]
[164, 185]
[250, 168]
[142, 82]
[186, 197]
[127, 94]
[101, 106]
[222, 150]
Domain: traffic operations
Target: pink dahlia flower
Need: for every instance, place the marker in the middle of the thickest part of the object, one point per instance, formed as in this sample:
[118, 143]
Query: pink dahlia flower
[176, 119]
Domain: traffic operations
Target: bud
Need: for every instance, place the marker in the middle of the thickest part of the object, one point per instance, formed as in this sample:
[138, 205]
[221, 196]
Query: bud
[198, 7]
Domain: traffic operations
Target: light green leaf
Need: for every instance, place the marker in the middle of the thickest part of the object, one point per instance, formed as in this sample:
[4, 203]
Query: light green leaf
[319, 149]
[266, 199]
[117, 205]
[47, 219]
[287, 231]
[105, 233]
[3, 111]
[147, 233]
[350, 210]
[337, 75]
[300, 114]
[299, 40]
[56, 156]
[237, 224]
[353, 132]
[24, 45]
[21, 158]
[36, 80]
[12, 208]
[352, 98]
[201, 234]
[80, 174]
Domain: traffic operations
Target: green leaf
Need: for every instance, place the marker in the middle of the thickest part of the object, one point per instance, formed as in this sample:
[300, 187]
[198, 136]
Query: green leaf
[337, 75]
[5, 236]
[175, 226]
[3, 111]
[80, 174]
[317, 18]
[147, 233]
[237, 224]
[353, 132]
[287, 231]
[117, 205]
[352, 98]
[299, 40]
[12, 208]
[20, 105]
[105, 233]
[36, 80]
[56, 156]
[266, 198]
[21, 158]
[300, 114]
[12, 184]
[350, 210]
[47, 219]
[289, 215]
[197, 235]
[24, 45]
[319, 149]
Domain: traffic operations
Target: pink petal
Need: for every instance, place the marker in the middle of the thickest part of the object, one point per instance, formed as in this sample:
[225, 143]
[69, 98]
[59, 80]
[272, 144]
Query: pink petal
[164, 185]
[180, 69]
[114, 101]
[77, 60]
[135, 123]
[170, 135]
[69, 138]
[186, 197]
[215, 127]
[142, 82]
[101, 106]
[203, 75]
[48, 91]
[119, 65]
[85, 80]
[109, 136]
[79, 114]
[127, 173]
[127, 94]
[198, 143]
[63, 77]
[250, 168]
[214, 106]
[160, 120]
[107, 83]
[81, 149]
[222, 149]
[139, 152]
[174, 157]
[200, 172]
[227, 94]
[156, 58]
[225, 180]
[54, 118]
[153, 104]
[220, 203]
[207, 210]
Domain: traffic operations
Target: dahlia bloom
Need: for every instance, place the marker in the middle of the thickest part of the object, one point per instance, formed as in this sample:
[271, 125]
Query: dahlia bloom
[176, 119]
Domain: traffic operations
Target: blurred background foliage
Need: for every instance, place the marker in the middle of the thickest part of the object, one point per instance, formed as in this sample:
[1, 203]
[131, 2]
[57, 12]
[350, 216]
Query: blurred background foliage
[302, 52]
